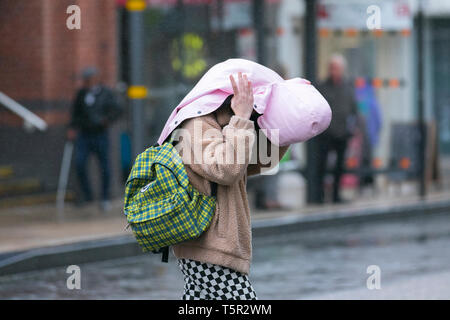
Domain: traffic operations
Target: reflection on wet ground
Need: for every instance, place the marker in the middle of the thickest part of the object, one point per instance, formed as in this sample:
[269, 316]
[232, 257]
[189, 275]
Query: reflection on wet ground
[289, 266]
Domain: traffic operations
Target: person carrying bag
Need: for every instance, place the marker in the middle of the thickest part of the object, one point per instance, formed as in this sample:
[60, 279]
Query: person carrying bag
[217, 148]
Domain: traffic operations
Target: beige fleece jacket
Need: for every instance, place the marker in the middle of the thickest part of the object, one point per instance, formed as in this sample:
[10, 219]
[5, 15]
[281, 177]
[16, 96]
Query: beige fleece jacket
[228, 240]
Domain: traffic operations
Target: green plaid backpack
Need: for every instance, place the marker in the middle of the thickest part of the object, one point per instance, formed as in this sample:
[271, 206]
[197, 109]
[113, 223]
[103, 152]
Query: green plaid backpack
[161, 206]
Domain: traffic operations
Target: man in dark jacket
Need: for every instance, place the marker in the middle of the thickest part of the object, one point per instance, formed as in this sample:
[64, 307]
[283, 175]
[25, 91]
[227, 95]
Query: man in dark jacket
[94, 109]
[339, 93]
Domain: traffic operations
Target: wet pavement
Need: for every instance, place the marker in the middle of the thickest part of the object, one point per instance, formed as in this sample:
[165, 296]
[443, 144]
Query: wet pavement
[431, 286]
[307, 264]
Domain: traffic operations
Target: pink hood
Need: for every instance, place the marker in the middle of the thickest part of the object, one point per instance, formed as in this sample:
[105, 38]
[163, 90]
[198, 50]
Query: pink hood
[294, 106]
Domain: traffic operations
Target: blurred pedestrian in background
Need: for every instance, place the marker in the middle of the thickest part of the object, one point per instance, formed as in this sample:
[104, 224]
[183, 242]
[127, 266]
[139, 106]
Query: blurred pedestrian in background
[94, 109]
[340, 94]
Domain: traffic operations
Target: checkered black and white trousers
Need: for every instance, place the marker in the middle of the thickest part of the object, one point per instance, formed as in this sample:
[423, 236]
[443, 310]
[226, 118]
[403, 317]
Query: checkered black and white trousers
[205, 281]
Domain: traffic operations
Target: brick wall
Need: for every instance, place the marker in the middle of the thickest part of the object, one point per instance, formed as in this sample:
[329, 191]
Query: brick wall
[20, 48]
[40, 58]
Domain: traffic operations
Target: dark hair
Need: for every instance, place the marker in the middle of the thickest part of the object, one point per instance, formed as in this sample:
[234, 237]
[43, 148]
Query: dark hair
[227, 103]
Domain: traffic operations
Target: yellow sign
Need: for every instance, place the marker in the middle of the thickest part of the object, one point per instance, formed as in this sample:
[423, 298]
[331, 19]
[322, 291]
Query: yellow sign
[187, 54]
[135, 5]
[137, 92]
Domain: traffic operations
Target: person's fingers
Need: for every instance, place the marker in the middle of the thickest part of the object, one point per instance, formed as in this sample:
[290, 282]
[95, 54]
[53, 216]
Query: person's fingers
[234, 85]
[241, 83]
[247, 85]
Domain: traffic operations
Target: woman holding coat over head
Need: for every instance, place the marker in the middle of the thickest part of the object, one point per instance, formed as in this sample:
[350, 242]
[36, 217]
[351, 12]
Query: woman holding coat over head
[237, 109]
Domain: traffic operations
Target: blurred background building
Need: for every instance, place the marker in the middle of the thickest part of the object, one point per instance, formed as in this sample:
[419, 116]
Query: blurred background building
[40, 60]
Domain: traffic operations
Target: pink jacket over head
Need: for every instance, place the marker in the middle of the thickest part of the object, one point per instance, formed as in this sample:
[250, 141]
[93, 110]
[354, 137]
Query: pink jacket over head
[291, 110]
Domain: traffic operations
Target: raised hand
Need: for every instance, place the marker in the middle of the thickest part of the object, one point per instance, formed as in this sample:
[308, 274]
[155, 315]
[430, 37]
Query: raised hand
[242, 101]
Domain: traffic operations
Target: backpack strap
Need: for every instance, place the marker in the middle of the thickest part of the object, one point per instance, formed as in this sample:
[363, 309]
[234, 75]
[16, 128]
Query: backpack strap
[165, 254]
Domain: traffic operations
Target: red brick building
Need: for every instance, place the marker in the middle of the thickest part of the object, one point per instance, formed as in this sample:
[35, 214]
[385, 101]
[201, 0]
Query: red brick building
[40, 60]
